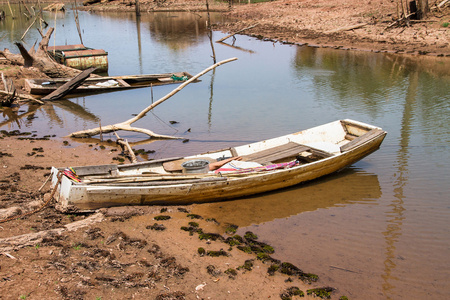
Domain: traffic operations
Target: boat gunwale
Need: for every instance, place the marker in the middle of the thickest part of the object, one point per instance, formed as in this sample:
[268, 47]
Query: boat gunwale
[256, 183]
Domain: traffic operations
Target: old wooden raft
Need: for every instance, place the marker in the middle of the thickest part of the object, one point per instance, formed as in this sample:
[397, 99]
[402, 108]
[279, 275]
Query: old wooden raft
[80, 57]
[287, 160]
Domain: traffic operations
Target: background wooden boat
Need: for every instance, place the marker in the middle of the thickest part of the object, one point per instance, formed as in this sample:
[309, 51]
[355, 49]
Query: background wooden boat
[320, 150]
[105, 84]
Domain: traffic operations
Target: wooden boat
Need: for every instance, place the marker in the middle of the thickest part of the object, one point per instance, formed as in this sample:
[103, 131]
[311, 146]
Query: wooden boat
[80, 57]
[285, 161]
[105, 84]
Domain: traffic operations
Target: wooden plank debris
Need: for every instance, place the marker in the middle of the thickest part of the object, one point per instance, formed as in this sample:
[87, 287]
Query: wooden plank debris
[68, 86]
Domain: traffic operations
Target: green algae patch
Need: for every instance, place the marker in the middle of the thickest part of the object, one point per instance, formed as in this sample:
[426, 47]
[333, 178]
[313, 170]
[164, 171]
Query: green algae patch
[201, 251]
[272, 269]
[324, 293]
[245, 249]
[232, 241]
[290, 269]
[210, 236]
[250, 235]
[193, 224]
[309, 277]
[232, 273]
[157, 227]
[162, 218]
[194, 216]
[216, 253]
[231, 229]
[291, 291]
[248, 265]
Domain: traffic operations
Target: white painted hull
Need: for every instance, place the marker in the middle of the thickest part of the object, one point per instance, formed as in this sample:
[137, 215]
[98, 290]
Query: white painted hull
[331, 136]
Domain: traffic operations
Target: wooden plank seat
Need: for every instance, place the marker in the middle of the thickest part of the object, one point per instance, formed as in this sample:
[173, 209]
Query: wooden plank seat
[361, 139]
[282, 152]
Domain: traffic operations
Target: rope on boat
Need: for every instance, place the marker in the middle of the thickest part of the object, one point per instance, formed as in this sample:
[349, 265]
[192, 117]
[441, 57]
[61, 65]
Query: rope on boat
[39, 208]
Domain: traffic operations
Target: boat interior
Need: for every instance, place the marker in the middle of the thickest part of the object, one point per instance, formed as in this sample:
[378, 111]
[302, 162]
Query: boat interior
[304, 147]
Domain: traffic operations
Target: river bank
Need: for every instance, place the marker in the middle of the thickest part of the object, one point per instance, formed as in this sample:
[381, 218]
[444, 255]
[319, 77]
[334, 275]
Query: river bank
[129, 252]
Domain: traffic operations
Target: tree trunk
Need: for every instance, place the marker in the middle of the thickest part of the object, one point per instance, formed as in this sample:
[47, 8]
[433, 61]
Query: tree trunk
[422, 9]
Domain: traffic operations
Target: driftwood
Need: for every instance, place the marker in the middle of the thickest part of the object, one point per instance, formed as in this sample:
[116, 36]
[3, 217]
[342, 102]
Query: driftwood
[89, 2]
[10, 92]
[346, 28]
[404, 21]
[239, 31]
[31, 239]
[127, 124]
[22, 96]
[124, 144]
[69, 86]
[55, 7]
[440, 5]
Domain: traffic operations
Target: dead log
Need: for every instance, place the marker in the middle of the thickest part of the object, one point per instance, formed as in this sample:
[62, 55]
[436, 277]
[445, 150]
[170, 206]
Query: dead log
[89, 2]
[127, 124]
[31, 239]
[69, 86]
[28, 59]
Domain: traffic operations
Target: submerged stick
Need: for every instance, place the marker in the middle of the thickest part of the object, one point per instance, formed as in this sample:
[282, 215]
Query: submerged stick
[127, 124]
[239, 31]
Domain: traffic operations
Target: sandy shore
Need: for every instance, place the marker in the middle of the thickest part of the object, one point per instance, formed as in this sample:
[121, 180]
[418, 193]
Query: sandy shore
[127, 252]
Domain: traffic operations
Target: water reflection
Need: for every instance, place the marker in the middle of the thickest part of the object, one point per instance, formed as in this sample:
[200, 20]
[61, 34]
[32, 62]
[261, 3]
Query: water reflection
[396, 215]
[326, 192]
[16, 116]
[236, 47]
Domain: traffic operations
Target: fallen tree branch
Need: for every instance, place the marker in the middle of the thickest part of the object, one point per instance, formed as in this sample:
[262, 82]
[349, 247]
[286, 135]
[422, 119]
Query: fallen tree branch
[347, 28]
[124, 143]
[23, 96]
[127, 124]
[404, 21]
[10, 92]
[239, 31]
[31, 239]
[13, 93]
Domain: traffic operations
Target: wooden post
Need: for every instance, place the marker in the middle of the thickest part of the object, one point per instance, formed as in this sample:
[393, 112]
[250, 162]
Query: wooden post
[10, 9]
[210, 33]
[138, 9]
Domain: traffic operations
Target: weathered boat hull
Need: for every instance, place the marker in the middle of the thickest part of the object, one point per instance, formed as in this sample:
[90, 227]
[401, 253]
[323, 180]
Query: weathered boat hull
[88, 197]
[99, 84]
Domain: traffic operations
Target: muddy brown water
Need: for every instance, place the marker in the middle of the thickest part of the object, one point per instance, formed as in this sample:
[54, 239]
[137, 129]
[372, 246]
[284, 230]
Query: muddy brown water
[376, 230]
